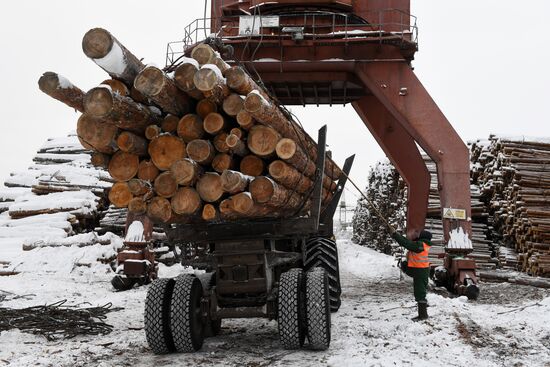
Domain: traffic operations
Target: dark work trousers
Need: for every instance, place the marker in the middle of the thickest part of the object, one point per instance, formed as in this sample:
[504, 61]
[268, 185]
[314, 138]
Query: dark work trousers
[420, 280]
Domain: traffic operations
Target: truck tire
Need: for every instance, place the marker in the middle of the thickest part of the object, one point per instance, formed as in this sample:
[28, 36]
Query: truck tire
[186, 321]
[318, 309]
[121, 283]
[291, 309]
[157, 316]
[322, 252]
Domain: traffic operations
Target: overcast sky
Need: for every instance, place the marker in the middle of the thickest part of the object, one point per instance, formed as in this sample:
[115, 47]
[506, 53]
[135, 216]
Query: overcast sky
[484, 62]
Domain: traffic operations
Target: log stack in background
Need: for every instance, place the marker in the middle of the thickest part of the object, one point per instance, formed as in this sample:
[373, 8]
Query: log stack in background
[198, 142]
[514, 176]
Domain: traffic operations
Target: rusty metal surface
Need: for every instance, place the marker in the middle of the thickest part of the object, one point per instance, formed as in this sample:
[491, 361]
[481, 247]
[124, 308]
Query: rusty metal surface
[401, 149]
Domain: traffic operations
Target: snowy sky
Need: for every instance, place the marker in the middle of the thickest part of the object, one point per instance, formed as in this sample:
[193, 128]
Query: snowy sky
[484, 62]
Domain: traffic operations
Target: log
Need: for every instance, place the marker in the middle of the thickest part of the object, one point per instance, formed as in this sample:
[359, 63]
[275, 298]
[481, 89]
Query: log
[109, 54]
[262, 140]
[220, 142]
[210, 187]
[222, 162]
[206, 107]
[170, 124]
[210, 81]
[120, 195]
[123, 166]
[210, 213]
[201, 151]
[237, 132]
[236, 145]
[214, 123]
[186, 201]
[159, 208]
[239, 81]
[252, 165]
[186, 171]
[242, 206]
[100, 160]
[233, 104]
[139, 187]
[266, 191]
[152, 131]
[153, 83]
[60, 88]
[290, 152]
[183, 77]
[289, 177]
[165, 149]
[245, 120]
[190, 127]
[271, 115]
[131, 143]
[98, 135]
[204, 54]
[234, 182]
[137, 206]
[118, 87]
[123, 112]
[147, 171]
[165, 185]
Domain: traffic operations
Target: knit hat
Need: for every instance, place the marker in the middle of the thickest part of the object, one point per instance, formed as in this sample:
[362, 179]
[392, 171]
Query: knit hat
[425, 235]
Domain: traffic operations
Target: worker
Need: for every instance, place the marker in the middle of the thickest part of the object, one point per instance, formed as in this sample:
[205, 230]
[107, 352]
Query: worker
[417, 266]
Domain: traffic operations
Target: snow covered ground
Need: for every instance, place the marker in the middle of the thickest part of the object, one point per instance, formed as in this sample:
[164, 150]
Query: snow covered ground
[372, 328]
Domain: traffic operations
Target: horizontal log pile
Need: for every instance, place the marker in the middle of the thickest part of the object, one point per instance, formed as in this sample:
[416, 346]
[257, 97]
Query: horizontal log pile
[202, 142]
[514, 177]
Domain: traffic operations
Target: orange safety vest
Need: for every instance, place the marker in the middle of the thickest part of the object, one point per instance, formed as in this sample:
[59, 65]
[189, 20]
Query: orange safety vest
[419, 260]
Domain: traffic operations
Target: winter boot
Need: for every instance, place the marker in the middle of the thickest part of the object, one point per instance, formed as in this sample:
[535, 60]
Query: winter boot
[422, 311]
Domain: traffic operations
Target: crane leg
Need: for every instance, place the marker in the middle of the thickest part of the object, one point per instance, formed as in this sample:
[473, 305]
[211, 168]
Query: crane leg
[396, 86]
[402, 151]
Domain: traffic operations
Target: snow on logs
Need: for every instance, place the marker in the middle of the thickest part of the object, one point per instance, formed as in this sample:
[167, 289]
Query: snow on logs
[193, 145]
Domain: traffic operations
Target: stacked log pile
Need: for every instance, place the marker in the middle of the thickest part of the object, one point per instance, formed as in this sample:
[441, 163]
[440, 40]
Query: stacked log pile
[514, 176]
[198, 142]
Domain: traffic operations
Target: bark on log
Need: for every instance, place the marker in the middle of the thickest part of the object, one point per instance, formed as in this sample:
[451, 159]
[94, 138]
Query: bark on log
[245, 120]
[147, 171]
[139, 187]
[269, 114]
[183, 77]
[153, 83]
[152, 131]
[242, 206]
[206, 107]
[170, 124]
[214, 123]
[109, 54]
[233, 104]
[222, 162]
[186, 172]
[239, 81]
[252, 165]
[190, 127]
[204, 54]
[210, 213]
[220, 142]
[100, 160]
[123, 166]
[211, 83]
[60, 88]
[201, 151]
[159, 208]
[234, 182]
[186, 201]
[266, 191]
[262, 140]
[137, 206]
[165, 185]
[131, 143]
[98, 135]
[236, 145]
[123, 112]
[165, 150]
[210, 187]
[118, 87]
[120, 195]
[290, 177]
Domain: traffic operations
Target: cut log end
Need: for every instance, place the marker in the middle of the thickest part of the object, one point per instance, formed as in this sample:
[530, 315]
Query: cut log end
[262, 140]
[204, 54]
[262, 189]
[98, 102]
[206, 107]
[201, 151]
[186, 201]
[117, 86]
[147, 171]
[123, 166]
[97, 43]
[183, 76]
[120, 195]
[160, 209]
[234, 182]
[233, 104]
[165, 150]
[210, 187]
[186, 172]
[165, 185]
[170, 123]
[137, 206]
[252, 165]
[190, 127]
[286, 148]
[214, 123]
[150, 81]
[209, 213]
[245, 120]
[222, 162]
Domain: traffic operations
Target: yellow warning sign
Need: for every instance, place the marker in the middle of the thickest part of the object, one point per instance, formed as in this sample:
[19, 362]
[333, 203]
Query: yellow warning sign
[450, 213]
